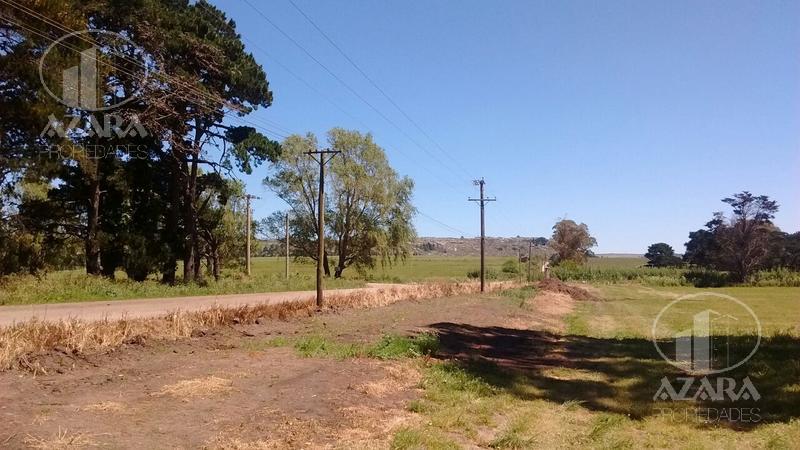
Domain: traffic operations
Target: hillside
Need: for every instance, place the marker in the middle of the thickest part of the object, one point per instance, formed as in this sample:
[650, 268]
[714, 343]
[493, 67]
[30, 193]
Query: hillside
[495, 246]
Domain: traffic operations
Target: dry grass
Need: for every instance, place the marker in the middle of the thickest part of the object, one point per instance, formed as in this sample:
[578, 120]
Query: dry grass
[104, 407]
[399, 376]
[235, 443]
[21, 343]
[198, 387]
[62, 439]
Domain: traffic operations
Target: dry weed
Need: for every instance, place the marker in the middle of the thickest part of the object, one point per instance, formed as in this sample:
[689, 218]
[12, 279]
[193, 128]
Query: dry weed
[21, 343]
[104, 407]
[62, 439]
[399, 376]
[198, 387]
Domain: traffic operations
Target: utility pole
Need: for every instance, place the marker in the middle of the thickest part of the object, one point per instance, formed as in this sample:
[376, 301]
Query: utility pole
[483, 201]
[322, 160]
[530, 245]
[287, 245]
[247, 198]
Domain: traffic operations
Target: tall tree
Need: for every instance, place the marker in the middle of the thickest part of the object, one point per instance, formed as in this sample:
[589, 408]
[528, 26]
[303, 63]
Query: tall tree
[371, 209]
[571, 242]
[201, 46]
[662, 255]
[222, 221]
[199, 73]
[744, 240]
[739, 243]
[368, 204]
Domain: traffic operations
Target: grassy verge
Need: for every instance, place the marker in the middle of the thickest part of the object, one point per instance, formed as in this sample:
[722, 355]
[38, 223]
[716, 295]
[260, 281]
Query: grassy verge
[21, 344]
[671, 276]
[267, 276]
[390, 346]
[602, 394]
[76, 286]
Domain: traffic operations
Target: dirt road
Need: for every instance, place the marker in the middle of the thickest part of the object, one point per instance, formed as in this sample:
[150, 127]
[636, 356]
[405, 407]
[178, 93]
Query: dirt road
[232, 388]
[154, 307]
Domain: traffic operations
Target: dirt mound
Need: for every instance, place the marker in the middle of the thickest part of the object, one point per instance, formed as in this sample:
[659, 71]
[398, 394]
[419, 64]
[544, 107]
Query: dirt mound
[553, 285]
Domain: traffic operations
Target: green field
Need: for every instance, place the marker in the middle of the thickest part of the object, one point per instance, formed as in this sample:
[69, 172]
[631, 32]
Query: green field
[267, 276]
[602, 395]
[630, 309]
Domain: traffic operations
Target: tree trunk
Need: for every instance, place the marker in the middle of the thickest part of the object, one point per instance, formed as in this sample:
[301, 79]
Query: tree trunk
[216, 264]
[170, 234]
[190, 223]
[325, 264]
[91, 242]
[198, 264]
[340, 266]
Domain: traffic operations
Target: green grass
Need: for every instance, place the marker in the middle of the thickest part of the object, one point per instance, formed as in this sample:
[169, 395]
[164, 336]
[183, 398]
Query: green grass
[629, 310]
[267, 276]
[603, 397]
[615, 270]
[390, 346]
[429, 268]
[408, 439]
[616, 262]
[76, 286]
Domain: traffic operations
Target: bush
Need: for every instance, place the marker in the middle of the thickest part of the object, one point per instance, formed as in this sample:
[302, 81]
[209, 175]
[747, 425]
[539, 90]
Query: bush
[673, 276]
[491, 274]
[707, 278]
[511, 266]
[776, 277]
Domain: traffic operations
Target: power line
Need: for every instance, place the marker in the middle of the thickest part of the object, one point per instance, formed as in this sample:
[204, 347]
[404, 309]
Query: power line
[376, 86]
[347, 86]
[340, 108]
[482, 201]
[444, 225]
[61, 27]
[204, 96]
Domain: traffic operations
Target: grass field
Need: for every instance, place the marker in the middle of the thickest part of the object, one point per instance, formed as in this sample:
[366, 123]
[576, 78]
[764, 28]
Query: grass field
[602, 395]
[267, 276]
[630, 309]
[516, 370]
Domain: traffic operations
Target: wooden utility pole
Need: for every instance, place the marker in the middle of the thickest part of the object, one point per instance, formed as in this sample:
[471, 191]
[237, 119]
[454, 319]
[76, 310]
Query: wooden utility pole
[322, 160]
[483, 201]
[287, 245]
[530, 245]
[249, 224]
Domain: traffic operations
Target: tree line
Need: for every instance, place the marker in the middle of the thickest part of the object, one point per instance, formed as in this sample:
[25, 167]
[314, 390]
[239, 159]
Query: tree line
[740, 242]
[145, 201]
[368, 205]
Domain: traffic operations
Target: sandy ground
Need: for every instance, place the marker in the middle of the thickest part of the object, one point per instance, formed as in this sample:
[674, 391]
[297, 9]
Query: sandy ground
[222, 390]
[155, 307]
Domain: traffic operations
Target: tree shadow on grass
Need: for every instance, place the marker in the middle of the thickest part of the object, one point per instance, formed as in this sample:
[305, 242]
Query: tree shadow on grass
[616, 375]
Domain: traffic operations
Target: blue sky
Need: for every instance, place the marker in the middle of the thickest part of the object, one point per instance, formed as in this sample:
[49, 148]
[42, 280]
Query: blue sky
[635, 117]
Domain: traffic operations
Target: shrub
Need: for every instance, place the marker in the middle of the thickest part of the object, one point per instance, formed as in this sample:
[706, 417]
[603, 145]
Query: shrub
[511, 266]
[491, 274]
[707, 278]
[776, 277]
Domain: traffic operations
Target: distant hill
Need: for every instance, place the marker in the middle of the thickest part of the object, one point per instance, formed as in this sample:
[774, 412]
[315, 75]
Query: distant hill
[495, 246]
